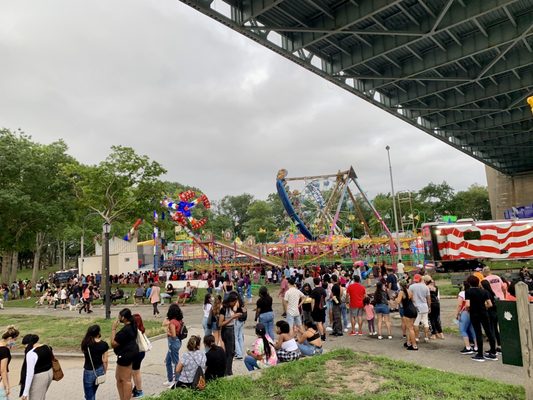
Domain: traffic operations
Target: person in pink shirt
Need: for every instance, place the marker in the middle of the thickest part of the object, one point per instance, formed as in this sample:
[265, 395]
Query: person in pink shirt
[496, 283]
[155, 297]
[263, 354]
[369, 312]
[284, 286]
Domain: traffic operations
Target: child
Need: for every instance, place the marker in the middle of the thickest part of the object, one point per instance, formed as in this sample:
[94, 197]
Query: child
[369, 311]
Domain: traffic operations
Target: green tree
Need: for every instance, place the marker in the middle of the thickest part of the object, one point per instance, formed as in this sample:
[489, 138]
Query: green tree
[121, 188]
[236, 208]
[260, 222]
[472, 203]
[435, 199]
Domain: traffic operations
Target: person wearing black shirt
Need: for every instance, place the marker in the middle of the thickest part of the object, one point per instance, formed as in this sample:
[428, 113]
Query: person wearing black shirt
[336, 307]
[318, 312]
[264, 313]
[125, 346]
[216, 359]
[36, 374]
[477, 301]
[9, 336]
[95, 353]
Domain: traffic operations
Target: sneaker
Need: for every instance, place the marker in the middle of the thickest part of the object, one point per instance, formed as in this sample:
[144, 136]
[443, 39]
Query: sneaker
[349, 325]
[352, 333]
[345, 329]
[168, 383]
[390, 337]
[138, 394]
[406, 345]
[329, 329]
[478, 358]
[467, 351]
[498, 350]
[490, 356]
[375, 333]
[426, 340]
[380, 337]
[360, 333]
[412, 348]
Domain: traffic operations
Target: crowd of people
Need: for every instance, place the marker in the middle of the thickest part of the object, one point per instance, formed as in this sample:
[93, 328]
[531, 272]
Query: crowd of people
[317, 303]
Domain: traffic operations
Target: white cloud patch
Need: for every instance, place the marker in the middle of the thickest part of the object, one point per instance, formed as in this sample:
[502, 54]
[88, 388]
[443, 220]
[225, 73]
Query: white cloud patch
[219, 111]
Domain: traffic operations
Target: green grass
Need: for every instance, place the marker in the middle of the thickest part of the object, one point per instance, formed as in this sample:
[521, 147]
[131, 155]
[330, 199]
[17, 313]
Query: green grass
[343, 375]
[65, 334]
[27, 272]
[447, 289]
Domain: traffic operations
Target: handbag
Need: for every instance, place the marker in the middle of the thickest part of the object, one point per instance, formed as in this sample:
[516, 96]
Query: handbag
[198, 381]
[143, 342]
[99, 378]
[56, 368]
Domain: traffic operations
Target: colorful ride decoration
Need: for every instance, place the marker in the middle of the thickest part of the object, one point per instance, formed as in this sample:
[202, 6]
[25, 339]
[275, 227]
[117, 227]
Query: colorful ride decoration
[323, 206]
[181, 211]
[131, 233]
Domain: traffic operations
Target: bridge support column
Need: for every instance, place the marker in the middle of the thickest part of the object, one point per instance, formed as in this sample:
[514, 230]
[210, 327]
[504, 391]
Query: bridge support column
[508, 191]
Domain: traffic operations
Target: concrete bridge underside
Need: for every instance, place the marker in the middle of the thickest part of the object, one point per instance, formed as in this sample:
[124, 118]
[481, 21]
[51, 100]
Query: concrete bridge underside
[460, 70]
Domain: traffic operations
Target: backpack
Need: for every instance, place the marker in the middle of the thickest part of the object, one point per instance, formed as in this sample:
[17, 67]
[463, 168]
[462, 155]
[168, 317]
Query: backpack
[183, 332]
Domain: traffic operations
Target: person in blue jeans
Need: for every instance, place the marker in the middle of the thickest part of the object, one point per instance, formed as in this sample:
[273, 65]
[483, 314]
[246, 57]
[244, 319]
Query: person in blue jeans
[239, 329]
[173, 324]
[96, 361]
[465, 325]
[264, 313]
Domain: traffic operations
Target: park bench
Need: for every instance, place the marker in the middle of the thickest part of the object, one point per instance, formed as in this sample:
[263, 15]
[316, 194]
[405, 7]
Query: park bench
[458, 279]
[194, 292]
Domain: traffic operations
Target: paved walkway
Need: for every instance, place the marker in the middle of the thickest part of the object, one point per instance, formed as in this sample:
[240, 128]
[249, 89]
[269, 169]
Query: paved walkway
[439, 354]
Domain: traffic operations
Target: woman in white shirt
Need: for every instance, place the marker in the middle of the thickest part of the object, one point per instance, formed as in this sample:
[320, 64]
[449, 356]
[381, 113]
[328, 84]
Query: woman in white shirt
[208, 316]
[286, 346]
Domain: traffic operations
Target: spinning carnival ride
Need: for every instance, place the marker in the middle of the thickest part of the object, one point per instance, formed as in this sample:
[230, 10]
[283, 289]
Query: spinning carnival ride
[317, 204]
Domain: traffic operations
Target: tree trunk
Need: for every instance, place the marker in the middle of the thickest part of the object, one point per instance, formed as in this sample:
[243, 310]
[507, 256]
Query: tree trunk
[39, 240]
[6, 267]
[14, 266]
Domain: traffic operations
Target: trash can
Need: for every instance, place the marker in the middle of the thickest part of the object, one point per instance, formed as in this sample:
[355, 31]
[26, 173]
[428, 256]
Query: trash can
[509, 333]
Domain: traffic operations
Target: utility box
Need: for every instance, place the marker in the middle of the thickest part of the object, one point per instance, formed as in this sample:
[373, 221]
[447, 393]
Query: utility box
[509, 333]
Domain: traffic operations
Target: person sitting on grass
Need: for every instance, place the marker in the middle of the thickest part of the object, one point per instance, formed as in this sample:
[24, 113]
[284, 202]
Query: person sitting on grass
[309, 341]
[286, 346]
[117, 294]
[263, 354]
[187, 293]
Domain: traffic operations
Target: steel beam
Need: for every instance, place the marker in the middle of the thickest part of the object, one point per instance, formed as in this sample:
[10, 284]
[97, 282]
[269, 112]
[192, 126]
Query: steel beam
[387, 45]
[499, 121]
[346, 16]
[518, 58]
[252, 9]
[454, 100]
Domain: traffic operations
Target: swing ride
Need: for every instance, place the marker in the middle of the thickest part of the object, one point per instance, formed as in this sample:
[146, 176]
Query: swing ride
[319, 204]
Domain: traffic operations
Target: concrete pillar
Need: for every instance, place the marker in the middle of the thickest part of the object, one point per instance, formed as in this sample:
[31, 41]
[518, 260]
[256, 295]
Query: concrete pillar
[508, 191]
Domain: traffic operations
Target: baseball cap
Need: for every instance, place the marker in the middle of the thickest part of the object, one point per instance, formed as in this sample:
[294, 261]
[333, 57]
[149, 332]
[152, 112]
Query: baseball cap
[417, 278]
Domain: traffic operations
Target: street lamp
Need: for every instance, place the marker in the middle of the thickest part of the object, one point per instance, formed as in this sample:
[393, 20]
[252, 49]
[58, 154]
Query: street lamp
[106, 227]
[398, 246]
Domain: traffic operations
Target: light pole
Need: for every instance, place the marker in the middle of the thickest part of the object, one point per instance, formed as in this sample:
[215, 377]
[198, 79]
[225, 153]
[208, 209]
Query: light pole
[106, 227]
[398, 246]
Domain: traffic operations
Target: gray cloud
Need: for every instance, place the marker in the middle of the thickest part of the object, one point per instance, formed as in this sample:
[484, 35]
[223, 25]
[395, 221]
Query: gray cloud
[218, 111]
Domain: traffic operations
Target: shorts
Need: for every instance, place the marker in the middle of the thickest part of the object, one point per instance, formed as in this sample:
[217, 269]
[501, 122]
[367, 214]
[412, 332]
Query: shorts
[356, 312]
[126, 359]
[422, 318]
[294, 320]
[136, 364]
[382, 309]
[319, 315]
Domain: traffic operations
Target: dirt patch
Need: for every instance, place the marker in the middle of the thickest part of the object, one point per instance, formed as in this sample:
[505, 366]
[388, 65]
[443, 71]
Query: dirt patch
[357, 379]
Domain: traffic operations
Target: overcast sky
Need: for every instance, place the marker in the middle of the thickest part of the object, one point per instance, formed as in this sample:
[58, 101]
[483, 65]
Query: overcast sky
[217, 110]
